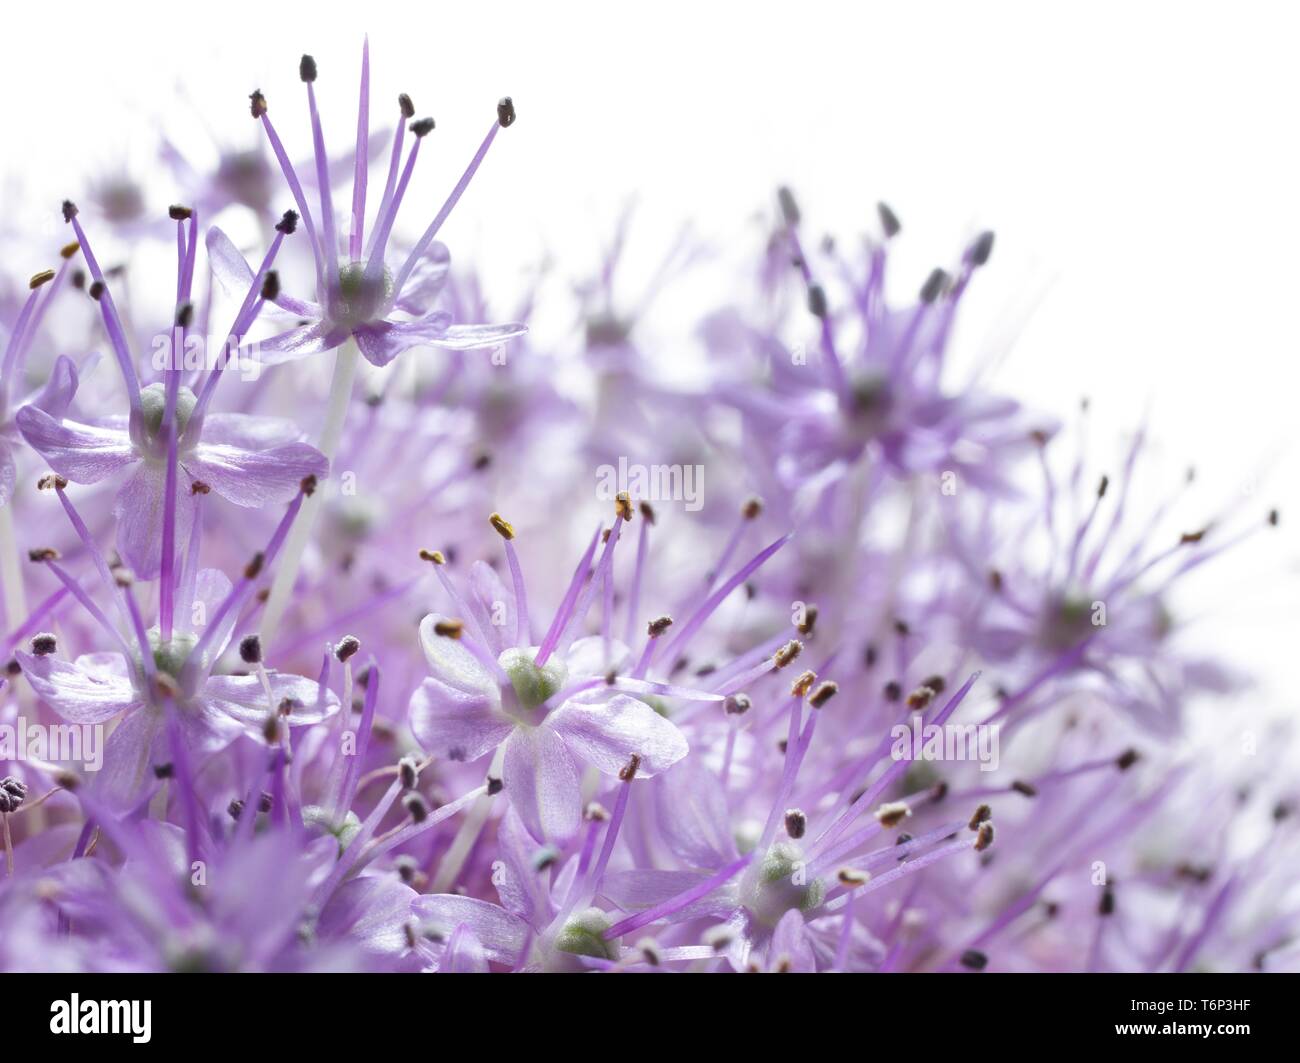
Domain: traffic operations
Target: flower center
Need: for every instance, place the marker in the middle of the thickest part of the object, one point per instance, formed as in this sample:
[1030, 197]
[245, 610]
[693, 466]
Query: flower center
[170, 656]
[778, 883]
[246, 176]
[583, 934]
[359, 298]
[532, 685]
[1067, 621]
[319, 820]
[153, 402]
[121, 201]
[871, 402]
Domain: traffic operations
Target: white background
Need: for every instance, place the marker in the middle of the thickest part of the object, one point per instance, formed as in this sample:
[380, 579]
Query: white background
[1138, 161]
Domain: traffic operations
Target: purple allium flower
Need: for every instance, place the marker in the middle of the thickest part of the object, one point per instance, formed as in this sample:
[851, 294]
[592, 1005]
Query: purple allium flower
[176, 449]
[385, 309]
[1097, 612]
[864, 377]
[550, 706]
[164, 676]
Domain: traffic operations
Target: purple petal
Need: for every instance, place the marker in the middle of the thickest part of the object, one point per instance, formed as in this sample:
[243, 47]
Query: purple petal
[608, 733]
[229, 266]
[473, 337]
[426, 280]
[453, 725]
[315, 337]
[501, 934]
[243, 699]
[382, 341]
[519, 885]
[207, 728]
[372, 911]
[464, 953]
[92, 689]
[139, 513]
[790, 949]
[84, 453]
[635, 891]
[59, 390]
[691, 810]
[128, 759]
[210, 589]
[497, 601]
[541, 781]
[452, 664]
[256, 478]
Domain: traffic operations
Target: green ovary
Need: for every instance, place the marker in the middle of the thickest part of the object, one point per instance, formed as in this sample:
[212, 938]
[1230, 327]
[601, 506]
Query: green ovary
[533, 685]
[583, 936]
[153, 403]
[775, 885]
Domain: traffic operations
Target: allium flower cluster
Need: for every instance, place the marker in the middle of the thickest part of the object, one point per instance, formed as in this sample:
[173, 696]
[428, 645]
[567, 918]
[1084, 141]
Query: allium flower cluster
[318, 658]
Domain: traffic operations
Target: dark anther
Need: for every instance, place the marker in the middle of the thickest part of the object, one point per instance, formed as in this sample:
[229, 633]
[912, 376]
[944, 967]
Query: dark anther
[416, 807]
[934, 286]
[796, 823]
[789, 206]
[44, 644]
[888, 220]
[981, 249]
[250, 649]
[736, 704]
